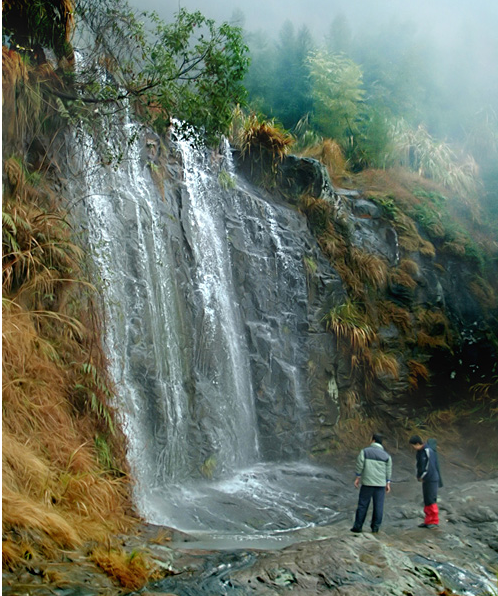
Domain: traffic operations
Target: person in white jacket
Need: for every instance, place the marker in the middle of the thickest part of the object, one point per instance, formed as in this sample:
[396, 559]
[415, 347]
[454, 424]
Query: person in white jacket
[373, 470]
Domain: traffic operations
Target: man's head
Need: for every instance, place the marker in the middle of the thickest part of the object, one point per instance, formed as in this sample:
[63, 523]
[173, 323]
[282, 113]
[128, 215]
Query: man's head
[377, 438]
[416, 442]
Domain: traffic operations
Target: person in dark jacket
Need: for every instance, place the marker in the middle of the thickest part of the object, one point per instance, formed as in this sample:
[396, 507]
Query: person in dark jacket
[429, 474]
[373, 468]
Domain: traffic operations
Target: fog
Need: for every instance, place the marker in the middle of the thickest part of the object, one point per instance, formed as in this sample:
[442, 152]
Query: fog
[469, 25]
[445, 20]
[435, 61]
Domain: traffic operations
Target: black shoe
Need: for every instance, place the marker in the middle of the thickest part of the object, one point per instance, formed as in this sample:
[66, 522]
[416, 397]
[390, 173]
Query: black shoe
[431, 526]
[375, 530]
[355, 530]
[422, 525]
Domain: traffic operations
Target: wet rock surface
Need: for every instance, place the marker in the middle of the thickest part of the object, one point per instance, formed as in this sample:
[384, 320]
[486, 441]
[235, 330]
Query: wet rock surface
[461, 556]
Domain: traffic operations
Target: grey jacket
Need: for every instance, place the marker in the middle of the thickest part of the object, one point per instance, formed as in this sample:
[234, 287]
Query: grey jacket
[374, 465]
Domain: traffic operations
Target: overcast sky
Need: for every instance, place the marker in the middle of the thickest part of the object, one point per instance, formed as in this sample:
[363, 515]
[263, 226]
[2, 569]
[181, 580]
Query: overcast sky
[443, 19]
[457, 28]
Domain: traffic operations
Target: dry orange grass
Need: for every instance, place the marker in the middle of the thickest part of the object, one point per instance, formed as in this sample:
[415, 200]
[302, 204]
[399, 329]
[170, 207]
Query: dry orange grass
[429, 342]
[26, 100]
[131, 571]
[389, 312]
[56, 491]
[402, 278]
[484, 292]
[416, 371]
[330, 154]
[258, 135]
[371, 269]
[354, 431]
[382, 364]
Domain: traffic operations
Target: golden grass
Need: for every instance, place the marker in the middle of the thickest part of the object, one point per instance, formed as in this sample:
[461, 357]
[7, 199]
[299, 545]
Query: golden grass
[54, 488]
[389, 312]
[131, 571]
[329, 153]
[27, 101]
[434, 330]
[20, 512]
[354, 431]
[256, 135]
[56, 491]
[370, 269]
[409, 266]
[484, 292]
[350, 325]
[427, 249]
[429, 342]
[402, 278]
[416, 371]
[382, 364]
[318, 212]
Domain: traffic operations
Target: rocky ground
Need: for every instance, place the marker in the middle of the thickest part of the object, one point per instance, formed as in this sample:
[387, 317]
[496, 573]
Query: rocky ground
[460, 557]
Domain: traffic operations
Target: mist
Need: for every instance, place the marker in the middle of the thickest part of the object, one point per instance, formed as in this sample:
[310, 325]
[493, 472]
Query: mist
[445, 20]
[458, 28]
[433, 63]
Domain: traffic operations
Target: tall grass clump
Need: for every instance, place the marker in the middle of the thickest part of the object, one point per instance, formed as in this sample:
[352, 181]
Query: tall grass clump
[264, 142]
[433, 159]
[129, 570]
[259, 135]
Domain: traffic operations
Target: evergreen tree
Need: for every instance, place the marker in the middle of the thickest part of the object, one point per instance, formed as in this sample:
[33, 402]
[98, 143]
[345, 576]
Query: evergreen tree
[339, 38]
[291, 84]
[337, 90]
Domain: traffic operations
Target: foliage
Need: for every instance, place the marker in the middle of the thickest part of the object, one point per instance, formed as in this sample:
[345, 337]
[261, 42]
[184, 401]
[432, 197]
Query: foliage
[291, 97]
[410, 95]
[433, 159]
[278, 77]
[38, 256]
[33, 25]
[29, 108]
[190, 69]
[337, 93]
[310, 266]
[226, 180]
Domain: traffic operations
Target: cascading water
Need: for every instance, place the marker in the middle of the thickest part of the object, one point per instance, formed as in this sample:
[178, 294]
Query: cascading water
[205, 309]
[221, 356]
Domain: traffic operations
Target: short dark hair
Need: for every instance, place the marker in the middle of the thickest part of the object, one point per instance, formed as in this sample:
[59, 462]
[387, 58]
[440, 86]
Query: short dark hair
[378, 438]
[416, 440]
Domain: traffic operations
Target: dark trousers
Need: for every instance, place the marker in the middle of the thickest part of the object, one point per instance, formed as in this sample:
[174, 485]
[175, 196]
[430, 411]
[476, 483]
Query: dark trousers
[368, 493]
[429, 490]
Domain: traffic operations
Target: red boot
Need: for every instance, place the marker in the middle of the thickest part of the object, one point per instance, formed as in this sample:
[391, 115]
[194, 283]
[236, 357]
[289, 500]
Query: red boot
[431, 515]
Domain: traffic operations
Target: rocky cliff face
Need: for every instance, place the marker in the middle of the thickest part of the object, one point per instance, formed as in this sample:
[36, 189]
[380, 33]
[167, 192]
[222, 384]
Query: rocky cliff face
[440, 320]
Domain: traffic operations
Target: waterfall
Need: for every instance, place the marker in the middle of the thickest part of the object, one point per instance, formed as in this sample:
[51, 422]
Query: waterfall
[206, 318]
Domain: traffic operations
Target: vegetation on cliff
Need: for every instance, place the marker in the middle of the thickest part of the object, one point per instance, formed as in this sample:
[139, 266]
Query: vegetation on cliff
[374, 107]
[413, 359]
[64, 473]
